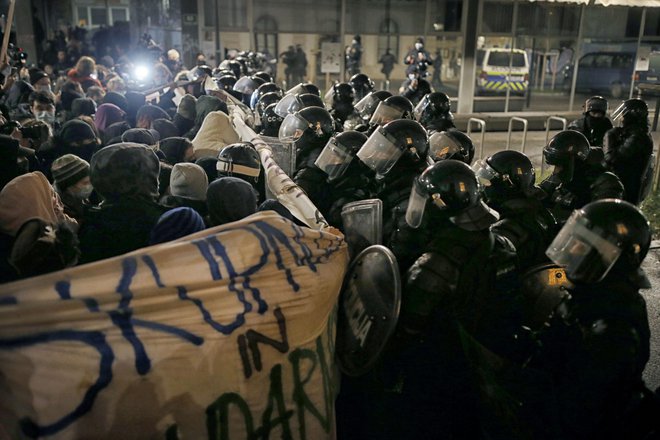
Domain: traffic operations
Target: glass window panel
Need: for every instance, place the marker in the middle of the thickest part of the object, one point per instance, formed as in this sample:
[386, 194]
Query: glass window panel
[497, 17]
[98, 16]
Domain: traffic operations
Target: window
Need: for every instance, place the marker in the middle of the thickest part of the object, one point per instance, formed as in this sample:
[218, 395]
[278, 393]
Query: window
[388, 38]
[501, 59]
[95, 16]
[265, 35]
[497, 17]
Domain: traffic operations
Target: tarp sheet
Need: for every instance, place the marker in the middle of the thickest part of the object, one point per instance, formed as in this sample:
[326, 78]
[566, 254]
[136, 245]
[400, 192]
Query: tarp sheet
[228, 334]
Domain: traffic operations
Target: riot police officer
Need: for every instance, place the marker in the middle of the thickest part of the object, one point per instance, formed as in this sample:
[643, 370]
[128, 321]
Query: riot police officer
[451, 144]
[594, 122]
[415, 88]
[342, 110]
[596, 344]
[392, 108]
[270, 122]
[348, 177]
[434, 112]
[268, 87]
[628, 149]
[397, 153]
[575, 180]
[362, 84]
[309, 129]
[507, 179]
[367, 106]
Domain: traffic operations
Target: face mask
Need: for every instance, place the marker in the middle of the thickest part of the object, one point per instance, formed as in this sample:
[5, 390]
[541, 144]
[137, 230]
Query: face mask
[84, 193]
[411, 76]
[45, 116]
[44, 88]
[419, 46]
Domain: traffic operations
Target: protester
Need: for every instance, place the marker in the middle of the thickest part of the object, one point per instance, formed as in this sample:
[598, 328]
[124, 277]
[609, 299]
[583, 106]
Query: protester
[230, 199]
[175, 224]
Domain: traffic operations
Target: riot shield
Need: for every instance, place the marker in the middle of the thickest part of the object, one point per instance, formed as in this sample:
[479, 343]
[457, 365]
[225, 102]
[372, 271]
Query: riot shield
[368, 309]
[284, 154]
[647, 179]
[363, 224]
[543, 288]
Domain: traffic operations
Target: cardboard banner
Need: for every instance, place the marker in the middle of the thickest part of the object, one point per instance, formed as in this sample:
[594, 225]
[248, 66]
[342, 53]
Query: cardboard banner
[225, 334]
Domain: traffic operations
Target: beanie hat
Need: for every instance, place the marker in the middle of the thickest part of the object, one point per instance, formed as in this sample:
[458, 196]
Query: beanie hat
[165, 128]
[83, 106]
[141, 136]
[69, 170]
[36, 75]
[188, 181]
[187, 107]
[117, 99]
[76, 130]
[176, 223]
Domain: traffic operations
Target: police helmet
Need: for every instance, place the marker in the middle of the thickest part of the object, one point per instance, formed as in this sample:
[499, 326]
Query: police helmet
[433, 105]
[270, 121]
[505, 174]
[450, 188]
[304, 88]
[401, 140]
[263, 75]
[602, 235]
[240, 160]
[362, 85]
[367, 105]
[394, 107]
[226, 82]
[343, 92]
[262, 90]
[311, 126]
[451, 144]
[631, 111]
[265, 100]
[339, 152]
[596, 104]
[565, 147]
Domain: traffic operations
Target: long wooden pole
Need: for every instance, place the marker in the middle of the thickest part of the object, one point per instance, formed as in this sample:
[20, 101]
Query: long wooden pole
[8, 25]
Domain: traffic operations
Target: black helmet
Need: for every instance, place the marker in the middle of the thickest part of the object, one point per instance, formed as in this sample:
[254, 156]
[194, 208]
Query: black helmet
[423, 87]
[452, 190]
[248, 84]
[505, 174]
[263, 75]
[311, 126]
[270, 121]
[632, 111]
[367, 105]
[310, 100]
[264, 88]
[451, 144]
[362, 85]
[199, 72]
[433, 105]
[339, 152]
[602, 235]
[343, 92]
[292, 103]
[265, 100]
[565, 147]
[595, 104]
[239, 160]
[304, 88]
[235, 67]
[396, 141]
[226, 82]
[394, 107]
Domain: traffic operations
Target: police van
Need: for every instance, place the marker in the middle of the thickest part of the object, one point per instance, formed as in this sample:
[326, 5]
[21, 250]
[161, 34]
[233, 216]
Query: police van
[499, 69]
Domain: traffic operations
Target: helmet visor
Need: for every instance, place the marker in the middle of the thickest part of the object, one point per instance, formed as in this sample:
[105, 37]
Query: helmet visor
[327, 99]
[246, 85]
[416, 207]
[484, 172]
[419, 109]
[334, 159]
[442, 147]
[384, 114]
[367, 105]
[296, 90]
[617, 114]
[292, 128]
[379, 153]
[585, 255]
[287, 105]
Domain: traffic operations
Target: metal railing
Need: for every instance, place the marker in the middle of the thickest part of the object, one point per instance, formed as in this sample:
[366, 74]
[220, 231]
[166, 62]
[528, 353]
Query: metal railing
[564, 123]
[482, 125]
[524, 123]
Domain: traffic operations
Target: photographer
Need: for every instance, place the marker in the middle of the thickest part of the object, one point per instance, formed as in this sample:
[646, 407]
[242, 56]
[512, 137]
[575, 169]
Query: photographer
[418, 57]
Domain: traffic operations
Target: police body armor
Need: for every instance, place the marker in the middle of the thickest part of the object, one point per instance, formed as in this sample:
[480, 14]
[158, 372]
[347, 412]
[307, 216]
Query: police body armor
[593, 129]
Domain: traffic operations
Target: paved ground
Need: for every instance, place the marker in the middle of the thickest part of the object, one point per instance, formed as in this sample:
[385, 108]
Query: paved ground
[496, 141]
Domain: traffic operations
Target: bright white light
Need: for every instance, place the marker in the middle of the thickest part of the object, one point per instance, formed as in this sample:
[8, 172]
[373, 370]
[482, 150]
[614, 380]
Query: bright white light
[141, 72]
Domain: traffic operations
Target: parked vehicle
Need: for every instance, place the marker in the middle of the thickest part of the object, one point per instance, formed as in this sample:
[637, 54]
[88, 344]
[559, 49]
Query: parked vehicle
[603, 73]
[499, 69]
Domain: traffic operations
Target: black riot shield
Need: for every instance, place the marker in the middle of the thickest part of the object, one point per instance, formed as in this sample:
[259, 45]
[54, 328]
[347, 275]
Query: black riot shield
[363, 224]
[368, 309]
[543, 288]
[647, 179]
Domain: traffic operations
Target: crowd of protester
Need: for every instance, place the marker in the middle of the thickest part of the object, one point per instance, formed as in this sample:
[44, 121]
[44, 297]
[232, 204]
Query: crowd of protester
[104, 156]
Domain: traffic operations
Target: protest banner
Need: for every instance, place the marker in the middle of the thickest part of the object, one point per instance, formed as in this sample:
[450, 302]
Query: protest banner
[227, 334]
